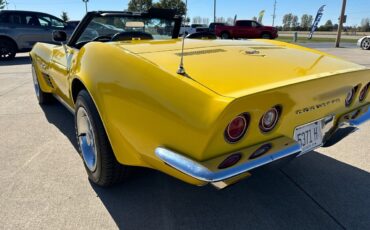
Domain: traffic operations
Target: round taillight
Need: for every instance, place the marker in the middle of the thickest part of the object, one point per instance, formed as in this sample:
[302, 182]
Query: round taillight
[363, 93]
[237, 128]
[270, 119]
[230, 161]
[261, 151]
[350, 96]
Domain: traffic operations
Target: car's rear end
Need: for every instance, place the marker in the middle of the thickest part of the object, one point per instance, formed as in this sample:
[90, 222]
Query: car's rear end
[285, 101]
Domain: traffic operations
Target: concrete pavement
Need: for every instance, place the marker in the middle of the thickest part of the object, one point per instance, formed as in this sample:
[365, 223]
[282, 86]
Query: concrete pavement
[43, 184]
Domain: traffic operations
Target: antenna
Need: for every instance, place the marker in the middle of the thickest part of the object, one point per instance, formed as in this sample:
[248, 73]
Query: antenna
[181, 69]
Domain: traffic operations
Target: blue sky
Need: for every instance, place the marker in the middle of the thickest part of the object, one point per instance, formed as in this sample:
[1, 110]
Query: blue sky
[245, 9]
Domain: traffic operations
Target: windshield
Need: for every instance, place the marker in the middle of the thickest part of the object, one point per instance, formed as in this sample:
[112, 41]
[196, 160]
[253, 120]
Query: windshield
[108, 26]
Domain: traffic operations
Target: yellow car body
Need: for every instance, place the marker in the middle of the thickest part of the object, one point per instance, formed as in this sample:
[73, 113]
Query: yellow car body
[145, 105]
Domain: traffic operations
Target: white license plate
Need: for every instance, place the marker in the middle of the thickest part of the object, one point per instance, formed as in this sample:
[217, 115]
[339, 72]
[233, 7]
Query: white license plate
[309, 136]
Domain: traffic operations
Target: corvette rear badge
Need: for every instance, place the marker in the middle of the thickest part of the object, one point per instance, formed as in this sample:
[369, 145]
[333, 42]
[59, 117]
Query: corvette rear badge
[317, 106]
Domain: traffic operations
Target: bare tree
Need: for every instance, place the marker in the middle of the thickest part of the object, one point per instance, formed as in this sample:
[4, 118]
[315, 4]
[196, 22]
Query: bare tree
[306, 21]
[64, 16]
[179, 5]
[365, 25]
[287, 21]
[295, 22]
[139, 5]
[230, 21]
[197, 20]
[205, 21]
[220, 19]
[2, 4]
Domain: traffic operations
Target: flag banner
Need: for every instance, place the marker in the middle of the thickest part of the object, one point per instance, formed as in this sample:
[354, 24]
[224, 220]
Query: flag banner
[260, 16]
[235, 18]
[315, 24]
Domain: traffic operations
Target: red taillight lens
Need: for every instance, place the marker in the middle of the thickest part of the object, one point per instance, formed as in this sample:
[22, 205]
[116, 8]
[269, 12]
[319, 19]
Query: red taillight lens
[237, 128]
[230, 161]
[270, 119]
[364, 92]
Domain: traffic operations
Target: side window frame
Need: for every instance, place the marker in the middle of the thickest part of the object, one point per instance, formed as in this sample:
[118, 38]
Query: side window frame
[5, 16]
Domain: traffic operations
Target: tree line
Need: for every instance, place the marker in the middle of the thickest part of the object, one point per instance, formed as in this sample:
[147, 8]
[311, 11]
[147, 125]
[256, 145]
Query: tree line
[144, 5]
[2, 4]
[291, 23]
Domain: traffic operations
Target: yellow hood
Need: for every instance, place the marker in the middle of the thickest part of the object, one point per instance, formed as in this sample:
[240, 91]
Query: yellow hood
[237, 68]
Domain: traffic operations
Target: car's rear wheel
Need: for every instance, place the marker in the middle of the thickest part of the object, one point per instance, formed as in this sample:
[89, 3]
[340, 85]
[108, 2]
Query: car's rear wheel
[266, 36]
[8, 49]
[42, 97]
[225, 35]
[365, 44]
[97, 154]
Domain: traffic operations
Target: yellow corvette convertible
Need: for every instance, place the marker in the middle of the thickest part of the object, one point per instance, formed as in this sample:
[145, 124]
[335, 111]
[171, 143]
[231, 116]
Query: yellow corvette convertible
[204, 111]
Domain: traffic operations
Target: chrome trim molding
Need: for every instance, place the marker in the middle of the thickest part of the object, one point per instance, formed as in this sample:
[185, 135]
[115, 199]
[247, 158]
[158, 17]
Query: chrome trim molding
[69, 108]
[200, 172]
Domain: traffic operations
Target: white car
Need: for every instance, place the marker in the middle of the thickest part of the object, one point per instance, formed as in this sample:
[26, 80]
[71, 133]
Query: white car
[364, 43]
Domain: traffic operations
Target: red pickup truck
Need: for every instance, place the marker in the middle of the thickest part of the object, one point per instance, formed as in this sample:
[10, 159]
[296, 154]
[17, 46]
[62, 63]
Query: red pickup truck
[246, 29]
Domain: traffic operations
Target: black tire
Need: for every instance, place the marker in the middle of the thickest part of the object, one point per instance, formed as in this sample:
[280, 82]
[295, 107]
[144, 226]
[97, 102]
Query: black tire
[266, 36]
[108, 171]
[365, 44]
[225, 35]
[8, 49]
[42, 97]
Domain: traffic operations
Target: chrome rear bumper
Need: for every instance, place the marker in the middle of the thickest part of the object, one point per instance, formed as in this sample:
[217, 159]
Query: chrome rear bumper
[282, 147]
[201, 172]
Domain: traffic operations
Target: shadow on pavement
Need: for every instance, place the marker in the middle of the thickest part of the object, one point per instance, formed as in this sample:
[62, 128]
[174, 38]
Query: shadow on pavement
[268, 200]
[311, 192]
[61, 118]
[23, 60]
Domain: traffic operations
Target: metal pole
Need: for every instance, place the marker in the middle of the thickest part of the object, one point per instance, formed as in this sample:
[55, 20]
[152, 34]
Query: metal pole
[341, 20]
[214, 11]
[186, 10]
[85, 1]
[274, 15]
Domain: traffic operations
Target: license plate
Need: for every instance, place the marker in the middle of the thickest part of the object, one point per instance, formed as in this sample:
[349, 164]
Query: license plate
[309, 136]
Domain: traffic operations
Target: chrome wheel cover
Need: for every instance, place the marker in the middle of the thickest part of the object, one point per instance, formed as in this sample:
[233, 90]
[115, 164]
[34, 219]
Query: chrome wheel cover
[35, 82]
[366, 44]
[86, 139]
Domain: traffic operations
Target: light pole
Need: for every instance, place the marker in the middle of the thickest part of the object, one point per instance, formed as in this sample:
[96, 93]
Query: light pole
[341, 20]
[186, 12]
[85, 1]
[274, 15]
[214, 11]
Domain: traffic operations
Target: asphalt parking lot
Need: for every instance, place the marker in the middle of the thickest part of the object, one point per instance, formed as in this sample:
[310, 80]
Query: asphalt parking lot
[43, 184]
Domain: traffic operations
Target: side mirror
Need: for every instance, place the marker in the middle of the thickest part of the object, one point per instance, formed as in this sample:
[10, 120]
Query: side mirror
[59, 36]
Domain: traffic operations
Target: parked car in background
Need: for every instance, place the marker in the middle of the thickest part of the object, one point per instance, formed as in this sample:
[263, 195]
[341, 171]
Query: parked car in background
[212, 26]
[72, 24]
[20, 30]
[246, 29]
[364, 43]
[193, 28]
